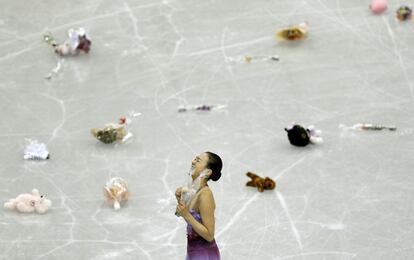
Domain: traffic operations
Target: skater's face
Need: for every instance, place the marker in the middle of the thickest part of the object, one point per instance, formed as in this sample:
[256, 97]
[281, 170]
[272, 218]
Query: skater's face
[199, 164]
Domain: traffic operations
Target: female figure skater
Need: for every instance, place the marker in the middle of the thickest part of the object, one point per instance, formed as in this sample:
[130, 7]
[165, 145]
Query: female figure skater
[198, 211]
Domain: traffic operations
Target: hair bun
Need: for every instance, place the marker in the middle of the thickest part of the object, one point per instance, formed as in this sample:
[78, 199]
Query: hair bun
[215, 165]
[216, 176]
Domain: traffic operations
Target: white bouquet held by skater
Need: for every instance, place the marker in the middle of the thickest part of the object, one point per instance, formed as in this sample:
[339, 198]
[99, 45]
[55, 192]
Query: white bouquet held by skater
[187, 192]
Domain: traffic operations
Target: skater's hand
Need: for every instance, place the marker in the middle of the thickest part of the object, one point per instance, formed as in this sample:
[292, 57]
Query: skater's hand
[182, 210]
[178, 194]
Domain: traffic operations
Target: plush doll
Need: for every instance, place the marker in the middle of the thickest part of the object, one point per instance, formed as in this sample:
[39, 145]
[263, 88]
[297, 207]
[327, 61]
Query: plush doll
[299, 136]
[28, 203]
[78, 42]
[116, 192]
[261, 183]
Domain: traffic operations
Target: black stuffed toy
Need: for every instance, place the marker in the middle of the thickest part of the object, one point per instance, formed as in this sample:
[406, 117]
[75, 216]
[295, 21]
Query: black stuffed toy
[299, 136]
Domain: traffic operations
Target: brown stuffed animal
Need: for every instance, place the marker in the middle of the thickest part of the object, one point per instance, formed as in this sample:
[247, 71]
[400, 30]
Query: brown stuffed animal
[260, 183]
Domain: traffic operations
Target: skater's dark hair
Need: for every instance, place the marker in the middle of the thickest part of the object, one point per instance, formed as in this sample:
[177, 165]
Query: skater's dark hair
[215, 164]
[298, 136]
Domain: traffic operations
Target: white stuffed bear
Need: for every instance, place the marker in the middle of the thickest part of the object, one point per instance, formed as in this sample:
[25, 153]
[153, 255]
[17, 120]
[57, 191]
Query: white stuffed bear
[28, 203]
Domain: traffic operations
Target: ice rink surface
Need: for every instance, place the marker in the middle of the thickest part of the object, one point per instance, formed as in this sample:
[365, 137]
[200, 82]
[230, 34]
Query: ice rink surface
[349, 198]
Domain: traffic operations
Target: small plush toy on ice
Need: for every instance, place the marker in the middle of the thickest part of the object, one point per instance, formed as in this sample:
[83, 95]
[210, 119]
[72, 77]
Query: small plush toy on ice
[404, 13]
[378, 6]
[78, 42]
[294, 33]
[261, 183]
[114, 131]
[28, 203]
[116, 192]
[299, 136]
[35, 150]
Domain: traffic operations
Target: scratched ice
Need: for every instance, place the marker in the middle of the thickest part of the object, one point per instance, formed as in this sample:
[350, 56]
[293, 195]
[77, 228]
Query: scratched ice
[350, 198]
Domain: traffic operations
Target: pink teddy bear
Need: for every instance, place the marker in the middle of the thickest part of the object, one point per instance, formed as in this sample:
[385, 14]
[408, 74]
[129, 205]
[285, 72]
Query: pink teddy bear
[28, 203]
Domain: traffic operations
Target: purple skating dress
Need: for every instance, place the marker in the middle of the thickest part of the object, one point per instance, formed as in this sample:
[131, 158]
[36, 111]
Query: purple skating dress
[197, 247]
